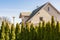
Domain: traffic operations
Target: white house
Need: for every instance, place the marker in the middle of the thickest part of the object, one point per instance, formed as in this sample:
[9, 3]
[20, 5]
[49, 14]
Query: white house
[41, 13]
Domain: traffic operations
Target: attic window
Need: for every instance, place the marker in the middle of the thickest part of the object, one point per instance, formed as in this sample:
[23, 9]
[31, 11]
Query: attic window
[48, 9]
[41, 18]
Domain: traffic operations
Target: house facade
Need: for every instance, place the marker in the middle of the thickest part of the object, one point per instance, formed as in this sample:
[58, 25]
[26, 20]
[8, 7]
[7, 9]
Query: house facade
[44, 12]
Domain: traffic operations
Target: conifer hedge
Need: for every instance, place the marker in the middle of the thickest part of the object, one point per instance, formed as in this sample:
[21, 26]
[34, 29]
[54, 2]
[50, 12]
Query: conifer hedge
[44, 31]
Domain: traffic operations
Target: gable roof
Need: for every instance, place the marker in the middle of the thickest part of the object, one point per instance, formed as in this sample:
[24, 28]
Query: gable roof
[39, 8]
[35, 11]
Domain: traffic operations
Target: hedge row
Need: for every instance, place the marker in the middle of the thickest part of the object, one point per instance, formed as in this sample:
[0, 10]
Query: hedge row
[45, 31]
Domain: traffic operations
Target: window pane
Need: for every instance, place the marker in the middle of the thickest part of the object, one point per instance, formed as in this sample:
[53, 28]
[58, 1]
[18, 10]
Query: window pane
[41, 18]
[48, 8]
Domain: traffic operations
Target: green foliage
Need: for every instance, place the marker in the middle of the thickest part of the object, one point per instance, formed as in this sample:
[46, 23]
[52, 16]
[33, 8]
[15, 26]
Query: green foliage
[27, 31]
[12, 32]
[57, 31]
[7, 31]
[17, 31]
[32, 33]
[53, 30]
[48, 31]
[39, 32]
[3, 31]
[57, 26]
[44, 31]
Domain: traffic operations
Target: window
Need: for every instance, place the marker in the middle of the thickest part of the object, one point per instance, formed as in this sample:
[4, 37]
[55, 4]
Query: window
[48, 9]
[41, 18]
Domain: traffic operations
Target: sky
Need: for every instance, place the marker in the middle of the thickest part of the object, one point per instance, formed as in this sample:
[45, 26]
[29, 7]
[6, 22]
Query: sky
[10, 8]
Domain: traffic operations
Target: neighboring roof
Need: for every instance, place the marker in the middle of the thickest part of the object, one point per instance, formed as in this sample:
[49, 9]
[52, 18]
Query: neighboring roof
[35, 11]
[24, 14]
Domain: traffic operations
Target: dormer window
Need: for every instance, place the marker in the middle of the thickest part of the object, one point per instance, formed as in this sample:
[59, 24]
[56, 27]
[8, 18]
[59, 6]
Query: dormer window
[48, 9]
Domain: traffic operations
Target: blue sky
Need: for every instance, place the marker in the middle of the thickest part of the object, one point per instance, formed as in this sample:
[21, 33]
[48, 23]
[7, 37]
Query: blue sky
[11, 8]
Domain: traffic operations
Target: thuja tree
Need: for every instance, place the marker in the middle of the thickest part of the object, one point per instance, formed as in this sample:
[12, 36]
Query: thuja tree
[22, 34]
[57, 27]
[48, 31]
[3, 31]
[39, 32]
[52, 23]
[12, 32]
[31, 34]
[7, 31]
[53, 28]
[36, 33]
[0, 33]
[57, 31]
[27, 31]
[17, 31]
[43, 30]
